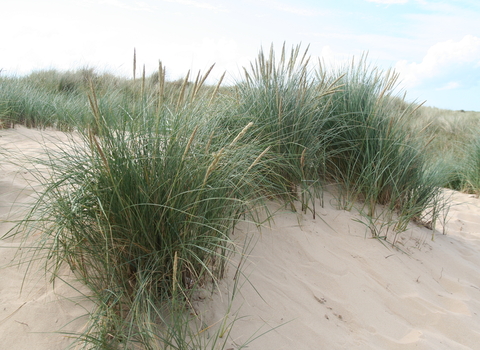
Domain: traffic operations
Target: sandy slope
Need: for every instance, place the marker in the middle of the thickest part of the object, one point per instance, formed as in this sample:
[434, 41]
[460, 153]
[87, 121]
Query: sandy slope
[31, 309]
[322, 281]
[328, 287]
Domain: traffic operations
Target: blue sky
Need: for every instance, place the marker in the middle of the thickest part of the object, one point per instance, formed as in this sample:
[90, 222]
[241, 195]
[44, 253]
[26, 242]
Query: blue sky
[434, 45]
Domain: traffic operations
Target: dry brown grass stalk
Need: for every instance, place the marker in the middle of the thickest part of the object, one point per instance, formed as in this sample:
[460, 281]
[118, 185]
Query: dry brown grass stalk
[241, 133]
[161, 84]
[255, 162]
[207, 147]
[175, 269]
[213, 165]
[215, 92]
[189, 143]
[182, 91]
[134, 63]
[202, 81]
[143, 81]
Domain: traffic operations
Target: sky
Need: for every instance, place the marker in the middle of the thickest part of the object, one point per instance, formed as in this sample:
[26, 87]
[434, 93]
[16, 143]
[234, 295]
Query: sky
[434, 45]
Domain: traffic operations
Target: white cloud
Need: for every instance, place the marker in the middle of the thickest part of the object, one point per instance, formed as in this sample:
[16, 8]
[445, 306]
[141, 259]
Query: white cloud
[296, 10]
[388, 2]
[198, 4]
[327, 55]
[444, 62]
[293, 8]
[137, 6]
[450, 86]
[197, 55]
[333, 59]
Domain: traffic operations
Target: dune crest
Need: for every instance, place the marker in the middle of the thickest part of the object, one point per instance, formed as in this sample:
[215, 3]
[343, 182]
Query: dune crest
[326, 285]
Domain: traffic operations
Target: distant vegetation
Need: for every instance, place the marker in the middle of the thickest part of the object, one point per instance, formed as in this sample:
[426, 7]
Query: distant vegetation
[453, 136]
[143, 206]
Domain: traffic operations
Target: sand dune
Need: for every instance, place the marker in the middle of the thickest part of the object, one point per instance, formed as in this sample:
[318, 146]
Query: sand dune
[327, 286]
[31, 309]
[312, 283]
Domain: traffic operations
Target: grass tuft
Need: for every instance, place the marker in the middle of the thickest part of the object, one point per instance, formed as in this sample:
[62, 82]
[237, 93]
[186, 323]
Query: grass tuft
[142, 202]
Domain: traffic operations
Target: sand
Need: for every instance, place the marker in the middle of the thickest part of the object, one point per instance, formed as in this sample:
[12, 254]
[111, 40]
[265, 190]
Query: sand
[32, 310]
[308, 283]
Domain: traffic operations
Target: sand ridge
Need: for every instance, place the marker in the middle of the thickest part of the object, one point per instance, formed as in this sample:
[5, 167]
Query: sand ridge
[326, 286]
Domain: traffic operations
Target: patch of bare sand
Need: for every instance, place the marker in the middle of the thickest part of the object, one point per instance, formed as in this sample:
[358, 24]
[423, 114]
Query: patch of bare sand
[32, 310]
[326, 286]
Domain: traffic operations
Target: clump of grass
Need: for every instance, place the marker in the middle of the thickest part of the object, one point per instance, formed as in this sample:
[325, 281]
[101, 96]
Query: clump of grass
[466, 174]
[141, 207]
[343, 126]
[23, 104]
[454, 137]
[289, 107]
[375, 160]
[142, 210]
[449, 130]
[59, 99]
[26, 102]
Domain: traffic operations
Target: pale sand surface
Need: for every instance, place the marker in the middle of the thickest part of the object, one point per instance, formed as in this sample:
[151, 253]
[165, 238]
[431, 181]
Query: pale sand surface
[31, 309]
[322, 281]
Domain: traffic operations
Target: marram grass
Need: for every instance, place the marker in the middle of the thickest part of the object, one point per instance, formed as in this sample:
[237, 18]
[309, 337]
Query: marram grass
[141, 210]
[142, 207]
[375, 159]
